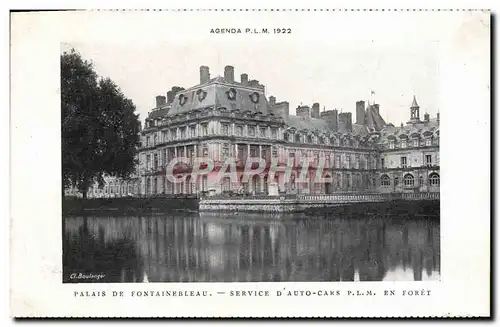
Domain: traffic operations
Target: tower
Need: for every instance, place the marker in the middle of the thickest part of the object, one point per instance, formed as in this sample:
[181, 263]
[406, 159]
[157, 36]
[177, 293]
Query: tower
[414, 112]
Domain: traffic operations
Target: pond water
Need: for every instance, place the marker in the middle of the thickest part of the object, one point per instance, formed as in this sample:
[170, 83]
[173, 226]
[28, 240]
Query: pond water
[197, 247]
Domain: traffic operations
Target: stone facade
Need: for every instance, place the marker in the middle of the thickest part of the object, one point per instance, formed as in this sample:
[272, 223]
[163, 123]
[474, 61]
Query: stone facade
[113, 188]
[221, 118]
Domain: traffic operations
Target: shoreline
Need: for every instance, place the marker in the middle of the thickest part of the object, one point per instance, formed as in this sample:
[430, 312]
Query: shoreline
[268, 206]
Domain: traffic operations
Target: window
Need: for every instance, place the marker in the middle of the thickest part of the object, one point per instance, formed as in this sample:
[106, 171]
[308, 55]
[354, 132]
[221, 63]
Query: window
[225, 150]
[192, 131]
[382, 163]
[391, 144]
[415, 143]
[239, 130]
[173, 134]
[408, 180]
[155, 162]
[327, 159]
[148, 141]
[428, 141]
[263, 132]
[337, 161]
[164, 157]
[263, 154]
[396, 181]
[434, 179]
[297, 138]
[205, 151]
[204, 182]
[309, 139]
[348, 161]
[148, 161]
[274, 153]
[403, 144]
[251, 130]
[385, 181]
[253, 151]
[428, 159]
[165, 136]
[204, 129]
[274, 133]
[291, 154]
[348, 180]
[420, 181]
[403, 162]
[357, 162]
[225, 129]
[226, 184]
[183, 132]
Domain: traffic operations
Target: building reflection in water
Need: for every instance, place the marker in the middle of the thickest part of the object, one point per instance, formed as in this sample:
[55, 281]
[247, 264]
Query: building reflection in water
[203, 248]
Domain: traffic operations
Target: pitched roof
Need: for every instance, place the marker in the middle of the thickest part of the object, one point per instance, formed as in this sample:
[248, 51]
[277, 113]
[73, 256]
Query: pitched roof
[217, 93]
[414, 104]
[373, 120]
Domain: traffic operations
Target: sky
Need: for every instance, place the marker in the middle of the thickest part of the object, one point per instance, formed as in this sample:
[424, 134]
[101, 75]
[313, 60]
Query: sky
[334, 74]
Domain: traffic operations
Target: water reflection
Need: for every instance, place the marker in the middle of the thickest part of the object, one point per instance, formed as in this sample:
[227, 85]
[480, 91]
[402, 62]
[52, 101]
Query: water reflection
[202, 248]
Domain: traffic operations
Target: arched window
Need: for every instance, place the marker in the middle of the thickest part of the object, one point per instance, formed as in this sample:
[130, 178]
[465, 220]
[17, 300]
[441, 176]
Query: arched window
[434, 179]
[409, 180]
[385, 180]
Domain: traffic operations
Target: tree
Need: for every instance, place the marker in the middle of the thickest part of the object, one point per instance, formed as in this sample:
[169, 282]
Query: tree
[99, 127]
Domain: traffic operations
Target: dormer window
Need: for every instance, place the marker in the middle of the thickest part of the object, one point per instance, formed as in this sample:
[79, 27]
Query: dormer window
[428, 141]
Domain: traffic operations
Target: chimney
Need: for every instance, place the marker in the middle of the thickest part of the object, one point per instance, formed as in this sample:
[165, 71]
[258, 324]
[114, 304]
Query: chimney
[170, 96]
[315, 110]
[346, 119]
[331, 117]
[272, 100]
[229, 73]
[302, 111]
[281, 109]
[204, 74]
[426, 117]
[160, 100]
[253, 83]
[360, 112]
[244, 79]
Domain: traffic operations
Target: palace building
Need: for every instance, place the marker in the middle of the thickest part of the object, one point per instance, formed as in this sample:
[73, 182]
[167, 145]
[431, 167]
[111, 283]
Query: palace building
[222, 118]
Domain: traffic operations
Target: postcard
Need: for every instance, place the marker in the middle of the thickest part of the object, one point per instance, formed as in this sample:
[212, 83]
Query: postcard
[268, 163]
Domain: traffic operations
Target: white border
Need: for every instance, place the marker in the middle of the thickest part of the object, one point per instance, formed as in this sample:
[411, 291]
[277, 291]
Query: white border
[472, 239]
